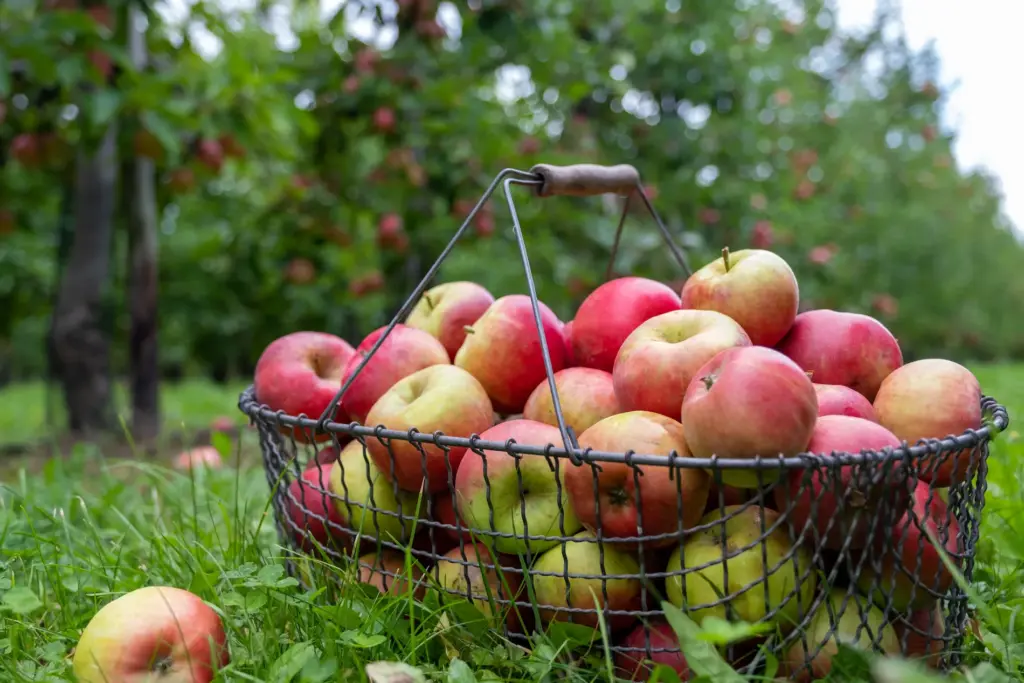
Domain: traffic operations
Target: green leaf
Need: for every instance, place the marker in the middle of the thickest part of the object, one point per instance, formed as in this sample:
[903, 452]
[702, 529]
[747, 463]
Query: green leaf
[895, 670]
[70, 72]
[291, 662]
[317, 671]
[702, 657]
[103, 106]
[21, 600]
[255, 601]
[362, 640]
[270, 574]
[718, 631]
[166, 134]
[459, 672]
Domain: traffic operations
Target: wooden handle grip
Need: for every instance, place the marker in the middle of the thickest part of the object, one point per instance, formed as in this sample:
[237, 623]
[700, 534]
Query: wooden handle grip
[585, 180]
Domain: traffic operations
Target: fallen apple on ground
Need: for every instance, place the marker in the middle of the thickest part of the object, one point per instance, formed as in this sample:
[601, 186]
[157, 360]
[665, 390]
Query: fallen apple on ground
[640, 652]
[754, 287]
[835, 399]
[156, 633]
[586, 396]
[444, 312]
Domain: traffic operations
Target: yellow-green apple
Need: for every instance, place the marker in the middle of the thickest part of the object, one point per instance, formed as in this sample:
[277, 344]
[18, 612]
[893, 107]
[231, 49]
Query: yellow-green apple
[837, 347]
[586, 395]
[502, 350]
[749, 401]
[755, 545]
[850, 504]
[405, 351]
[578, 558]
[922, 634]
[639, 500]
[495, 490]
[156, 633]
[913, 575]
[646, 646]
[839, 618]
[835, 399]
[932, 399]
[445, 310]
[659, 359]
[311, 510]
[611, 312]
[754, 287]
[366, 502]
[439, 398]
[475, 574]
[385, 570]
[299, 374]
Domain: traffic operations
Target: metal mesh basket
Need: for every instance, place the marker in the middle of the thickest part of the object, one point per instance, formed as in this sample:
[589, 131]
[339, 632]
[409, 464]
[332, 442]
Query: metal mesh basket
[840, 547]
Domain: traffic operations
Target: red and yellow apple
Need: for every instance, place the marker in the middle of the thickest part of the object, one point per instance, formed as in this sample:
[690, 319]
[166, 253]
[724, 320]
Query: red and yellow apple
[299, 374]
[723, 496]
[439, 398]
[586, 395]
[444, 513]
[385, 570]
[835, 399]
[475, 574]
[311, 510]
[611, 312]
[754, 287]
[637, 500]
[659, 359]
[837, 347]
[933, 399]
[922, 634]
[503, 351]
[444, 312]
[156, 633]
[646, 646]
[402, 353]
[749, 402]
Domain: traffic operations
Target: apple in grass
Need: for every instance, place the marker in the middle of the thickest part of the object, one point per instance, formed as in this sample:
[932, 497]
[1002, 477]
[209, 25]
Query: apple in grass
[503, 351]
[835, 399]
[659, 359]
[299, 374]
[611, 312]
[405, 351]
[645, 647]
[582, 556]
[933, 399]
[836, 347]
[750, 554]
[444, 311]
[852, 504]
[439, 398]
[489, 484]
[668, 501]
[754, 287]
[586, 395]
[749, 402]
[156, 633]
[474, 574]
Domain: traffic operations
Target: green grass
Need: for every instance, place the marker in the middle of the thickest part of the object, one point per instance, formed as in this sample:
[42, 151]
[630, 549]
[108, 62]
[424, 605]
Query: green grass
[81, 530]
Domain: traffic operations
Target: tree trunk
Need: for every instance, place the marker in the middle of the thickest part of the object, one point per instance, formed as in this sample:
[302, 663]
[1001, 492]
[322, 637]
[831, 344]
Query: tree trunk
[80, 342]
[140, 204]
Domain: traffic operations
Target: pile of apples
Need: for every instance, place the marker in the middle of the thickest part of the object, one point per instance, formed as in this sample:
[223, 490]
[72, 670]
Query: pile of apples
[728, 368]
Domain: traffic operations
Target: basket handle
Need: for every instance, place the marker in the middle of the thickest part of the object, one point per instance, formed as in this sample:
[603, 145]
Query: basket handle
[585, 180]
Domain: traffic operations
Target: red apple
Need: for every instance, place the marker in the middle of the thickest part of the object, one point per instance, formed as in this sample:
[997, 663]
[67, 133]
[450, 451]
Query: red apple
[668, 502]
[912, 572]
[444, 311]
[646, 646]
[932, 399]
[570, 358]
[385, 570]
[439, 398]
[585, 394]
[444, 513]
[849, 508]
[502, 350]
[300, 373]
[210, 154]
[749, 402]
[658, 360]
[156, 633]
[922, 634]
[403, 352]
[835, 399]
[203, 456]
[754, 287]
[325, 456]
[384, 119]
[730, 495]
[850, 349]
[313, 511]
[610, 314]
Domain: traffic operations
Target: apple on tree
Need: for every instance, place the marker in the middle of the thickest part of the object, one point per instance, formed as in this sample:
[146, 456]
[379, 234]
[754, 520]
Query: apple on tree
[439, 398]
[156, 633]
[444, 311]
[749, 402]
[835, 399]
[754, 287]
[586, 396]
[488, 485]
[299, 374]
[660, 357]
[637, 500]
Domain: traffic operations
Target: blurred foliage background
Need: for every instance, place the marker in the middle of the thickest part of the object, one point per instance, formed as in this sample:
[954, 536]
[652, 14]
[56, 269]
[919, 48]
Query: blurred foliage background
[313, 160]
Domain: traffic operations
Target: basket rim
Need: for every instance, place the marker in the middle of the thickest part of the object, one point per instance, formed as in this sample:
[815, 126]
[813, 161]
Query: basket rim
[998, 422]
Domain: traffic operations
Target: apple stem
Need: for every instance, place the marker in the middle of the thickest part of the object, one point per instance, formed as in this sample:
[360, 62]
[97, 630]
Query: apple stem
[709, 381]
[469, 329]
[725, 258]
[430, 302]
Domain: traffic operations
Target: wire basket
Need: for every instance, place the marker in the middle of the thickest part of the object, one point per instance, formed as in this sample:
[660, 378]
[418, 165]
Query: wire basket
[852, 548]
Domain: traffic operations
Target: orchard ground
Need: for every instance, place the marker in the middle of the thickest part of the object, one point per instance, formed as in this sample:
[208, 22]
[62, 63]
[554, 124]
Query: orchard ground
[79, 529]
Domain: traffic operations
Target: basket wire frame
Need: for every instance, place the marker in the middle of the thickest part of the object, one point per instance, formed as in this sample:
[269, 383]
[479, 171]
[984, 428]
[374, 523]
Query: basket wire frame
[860, 551]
